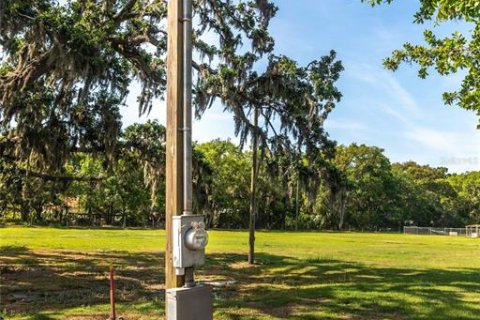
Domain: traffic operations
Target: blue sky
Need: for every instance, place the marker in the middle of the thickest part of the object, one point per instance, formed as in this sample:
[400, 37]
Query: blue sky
[396, 111]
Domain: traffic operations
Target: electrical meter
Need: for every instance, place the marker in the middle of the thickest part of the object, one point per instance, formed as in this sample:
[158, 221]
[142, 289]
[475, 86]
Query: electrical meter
[189, 241]
[196, 238]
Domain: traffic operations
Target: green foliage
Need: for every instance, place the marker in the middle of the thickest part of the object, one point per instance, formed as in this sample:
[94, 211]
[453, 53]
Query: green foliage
[364, 191]
[467, 187]
[358, 189]
[370, 202]
[230, 184]
[430, 197]
[144, 145]
[446, 55]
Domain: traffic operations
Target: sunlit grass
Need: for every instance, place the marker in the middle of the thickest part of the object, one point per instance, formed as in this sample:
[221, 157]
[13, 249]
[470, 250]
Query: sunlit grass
[61, 274]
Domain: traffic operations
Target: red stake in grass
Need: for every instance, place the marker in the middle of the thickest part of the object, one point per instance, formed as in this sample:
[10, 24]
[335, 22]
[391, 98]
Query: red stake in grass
[112, 294]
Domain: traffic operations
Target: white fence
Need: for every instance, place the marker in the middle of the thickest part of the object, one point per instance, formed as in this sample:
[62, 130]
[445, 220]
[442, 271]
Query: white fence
[436, 231]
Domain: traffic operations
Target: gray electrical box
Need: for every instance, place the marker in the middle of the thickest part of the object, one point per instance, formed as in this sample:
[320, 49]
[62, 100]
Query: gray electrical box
[190, 303]
[189, 241]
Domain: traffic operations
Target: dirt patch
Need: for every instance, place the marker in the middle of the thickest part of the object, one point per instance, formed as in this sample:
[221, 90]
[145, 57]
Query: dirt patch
[240, 265]
[282, 312]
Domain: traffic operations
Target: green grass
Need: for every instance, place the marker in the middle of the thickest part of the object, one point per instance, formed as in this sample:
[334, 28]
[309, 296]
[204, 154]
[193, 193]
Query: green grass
[50, 273]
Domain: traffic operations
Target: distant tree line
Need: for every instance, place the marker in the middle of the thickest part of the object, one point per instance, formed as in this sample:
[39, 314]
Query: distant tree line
[359, 189]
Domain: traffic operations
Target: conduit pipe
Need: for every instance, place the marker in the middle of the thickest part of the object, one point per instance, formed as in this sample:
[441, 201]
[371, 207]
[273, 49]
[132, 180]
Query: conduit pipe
[187, 107]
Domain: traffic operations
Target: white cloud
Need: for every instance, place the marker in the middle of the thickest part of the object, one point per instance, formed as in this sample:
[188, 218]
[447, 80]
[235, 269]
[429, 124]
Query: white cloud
[434, 139]
[385, 82]
[396, 114]
[455, 150]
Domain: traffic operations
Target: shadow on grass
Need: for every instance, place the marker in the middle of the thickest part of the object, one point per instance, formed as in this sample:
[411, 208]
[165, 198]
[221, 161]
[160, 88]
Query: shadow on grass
[277, 287]
[36, 281]
[40, 317]
[285, 287]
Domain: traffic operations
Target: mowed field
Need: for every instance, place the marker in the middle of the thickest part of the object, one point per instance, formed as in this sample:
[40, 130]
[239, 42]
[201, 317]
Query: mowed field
[49, 273]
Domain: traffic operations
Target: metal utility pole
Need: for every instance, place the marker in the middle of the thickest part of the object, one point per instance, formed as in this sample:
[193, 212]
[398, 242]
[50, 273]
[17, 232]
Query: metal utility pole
[185, 231]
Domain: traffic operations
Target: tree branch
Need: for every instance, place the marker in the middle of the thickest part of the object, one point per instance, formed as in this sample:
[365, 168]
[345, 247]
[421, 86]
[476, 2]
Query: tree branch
[120, 16]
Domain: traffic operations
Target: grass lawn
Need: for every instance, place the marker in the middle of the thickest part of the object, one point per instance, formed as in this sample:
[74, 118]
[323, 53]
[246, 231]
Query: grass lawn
[49, 273]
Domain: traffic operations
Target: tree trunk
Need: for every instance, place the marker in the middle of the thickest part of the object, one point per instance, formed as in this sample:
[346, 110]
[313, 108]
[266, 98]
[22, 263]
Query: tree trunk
[297, 208]
[124, 219]
[153, 216]
[253, 192]
[297, 191]
[25, 203]
[24, 212]
[344, 198]
[109, 219]
[92, 218]
[66, 216]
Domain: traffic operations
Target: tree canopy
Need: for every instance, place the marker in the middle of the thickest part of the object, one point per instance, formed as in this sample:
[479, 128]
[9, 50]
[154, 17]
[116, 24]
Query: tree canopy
[362, 189]
[68, 66]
